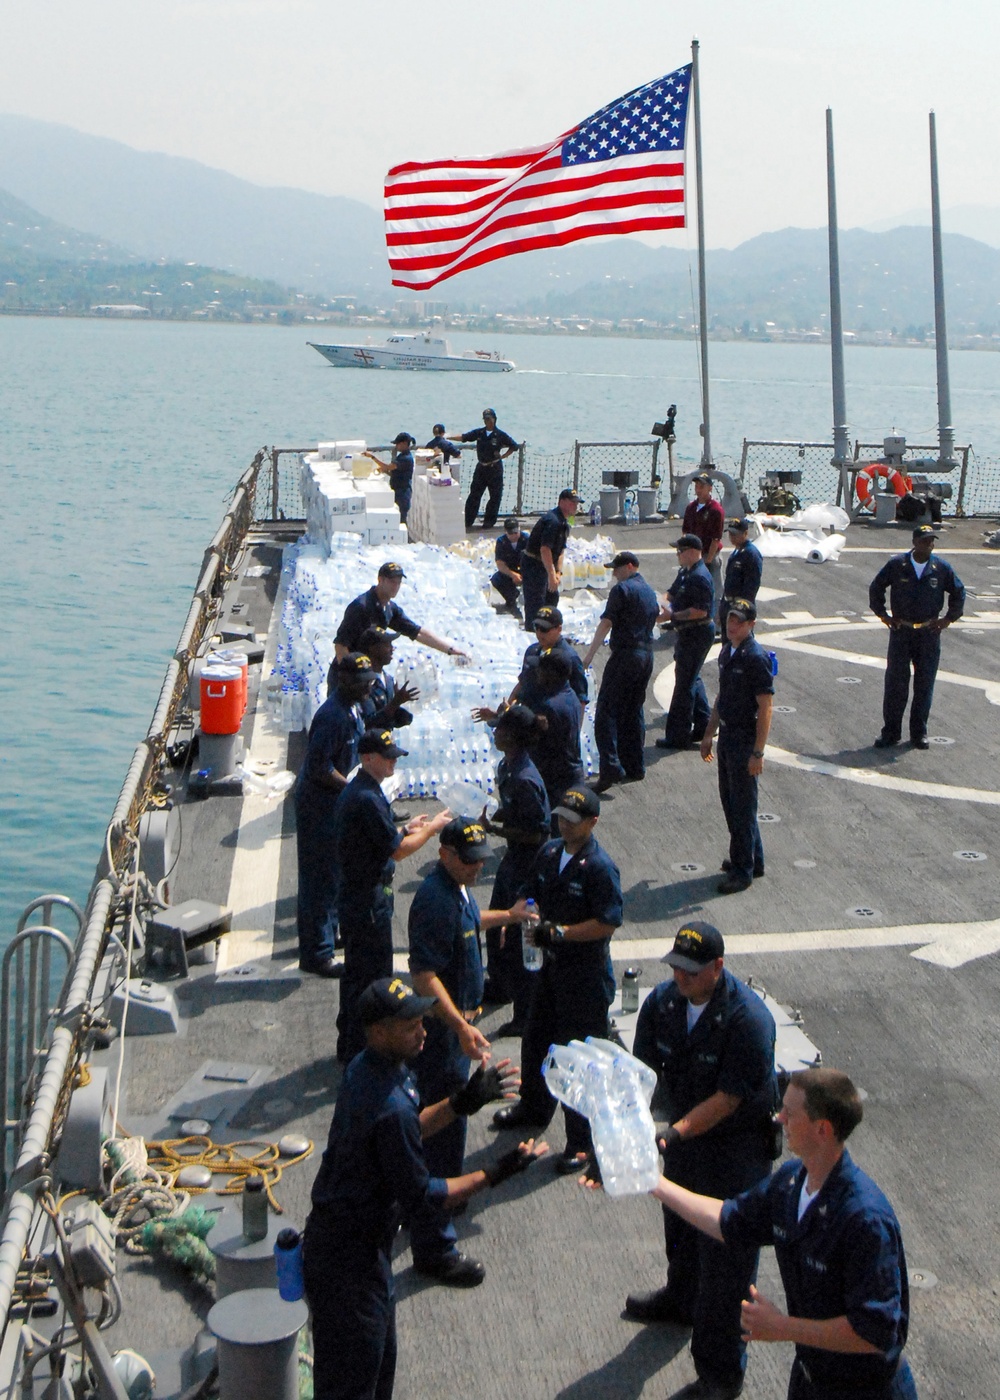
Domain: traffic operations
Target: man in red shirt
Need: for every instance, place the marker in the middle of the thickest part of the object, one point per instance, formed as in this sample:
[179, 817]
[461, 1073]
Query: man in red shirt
[705, 518]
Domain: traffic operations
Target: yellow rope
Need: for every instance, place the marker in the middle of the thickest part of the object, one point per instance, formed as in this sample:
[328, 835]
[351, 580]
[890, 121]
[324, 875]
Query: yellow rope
[226, 1159]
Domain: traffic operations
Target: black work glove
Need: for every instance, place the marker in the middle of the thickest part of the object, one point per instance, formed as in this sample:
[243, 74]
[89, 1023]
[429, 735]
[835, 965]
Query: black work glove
[544, 933]
[486, 1085]
[669, 1138]
[508, 1165]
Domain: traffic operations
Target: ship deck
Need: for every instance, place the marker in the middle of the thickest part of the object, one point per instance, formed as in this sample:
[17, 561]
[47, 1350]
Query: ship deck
[877, 918]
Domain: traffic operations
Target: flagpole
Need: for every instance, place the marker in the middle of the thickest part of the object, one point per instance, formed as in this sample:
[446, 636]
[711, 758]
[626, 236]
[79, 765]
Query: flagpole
[706, 433]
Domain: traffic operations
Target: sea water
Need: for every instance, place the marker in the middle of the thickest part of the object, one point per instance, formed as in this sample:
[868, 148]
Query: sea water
[120, 443]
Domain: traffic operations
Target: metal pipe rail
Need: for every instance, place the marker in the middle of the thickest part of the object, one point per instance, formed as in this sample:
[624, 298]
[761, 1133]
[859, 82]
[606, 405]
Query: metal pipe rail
[30, 1176]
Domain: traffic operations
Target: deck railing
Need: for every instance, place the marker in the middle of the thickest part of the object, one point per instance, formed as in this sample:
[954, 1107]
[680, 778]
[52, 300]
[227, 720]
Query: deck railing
[51, 1077]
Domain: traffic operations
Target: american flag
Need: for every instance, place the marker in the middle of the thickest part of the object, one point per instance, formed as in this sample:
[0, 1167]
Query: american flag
[619, 171]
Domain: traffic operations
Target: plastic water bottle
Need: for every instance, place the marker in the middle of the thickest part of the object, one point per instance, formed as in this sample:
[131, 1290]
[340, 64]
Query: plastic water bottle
[254, 1209]
[774, 662]
[630, 991]
[595, 514]
[531, 954]
[288, 1265]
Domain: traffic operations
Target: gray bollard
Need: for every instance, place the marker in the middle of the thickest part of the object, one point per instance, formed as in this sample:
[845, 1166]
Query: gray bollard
[240, 1264]
[257, 1334]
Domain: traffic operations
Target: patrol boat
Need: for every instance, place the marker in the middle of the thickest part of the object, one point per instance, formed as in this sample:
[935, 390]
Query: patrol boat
[876, 923]
[419, 351]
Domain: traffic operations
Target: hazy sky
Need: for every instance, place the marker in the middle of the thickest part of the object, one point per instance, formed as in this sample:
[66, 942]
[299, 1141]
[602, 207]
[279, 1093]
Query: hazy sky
[326, 95]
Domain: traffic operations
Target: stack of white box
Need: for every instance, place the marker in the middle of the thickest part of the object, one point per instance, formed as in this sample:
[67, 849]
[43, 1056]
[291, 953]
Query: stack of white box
[336, 501]
[437, 514]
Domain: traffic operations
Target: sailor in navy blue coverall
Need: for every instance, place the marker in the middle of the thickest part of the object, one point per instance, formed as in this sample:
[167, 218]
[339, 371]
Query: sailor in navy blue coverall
[331, 753]
[620, 723]
[523, 819]
[373, 1166]
[368, 846]
[446, 963]
[385, 705]
[744, 568]
[690, 608]
[378, 608]
[508, 553]
[742, 716]
[492, 446]
[917, 583]
[400, 473]
[557, 752]
[540, 564]
[548, 631]
[577, 888]
[440, 443]
[838, 1245]
[711, 1041]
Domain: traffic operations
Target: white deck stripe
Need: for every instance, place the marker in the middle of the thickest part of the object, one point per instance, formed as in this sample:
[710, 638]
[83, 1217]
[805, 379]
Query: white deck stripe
[870, 777]
[253, 886]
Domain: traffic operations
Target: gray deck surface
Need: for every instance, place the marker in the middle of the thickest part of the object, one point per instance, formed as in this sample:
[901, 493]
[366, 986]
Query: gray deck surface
[920, 1038]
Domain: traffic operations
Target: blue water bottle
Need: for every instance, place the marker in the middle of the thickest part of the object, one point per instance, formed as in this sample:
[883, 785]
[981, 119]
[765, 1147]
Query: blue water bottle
[288, 1263]
[774, 662]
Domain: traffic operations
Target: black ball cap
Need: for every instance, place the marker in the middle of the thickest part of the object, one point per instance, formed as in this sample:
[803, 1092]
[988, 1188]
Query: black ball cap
[743, 608]
[569, 494]
[577, 804]
[358, 665]
[371, 637]
[924, 532]
[738, 526]
[624, 556]
[695, 946]
[546, 618]
[391, 570]
[466, 838]
[391, 999]
[380, 741]
[402, 438]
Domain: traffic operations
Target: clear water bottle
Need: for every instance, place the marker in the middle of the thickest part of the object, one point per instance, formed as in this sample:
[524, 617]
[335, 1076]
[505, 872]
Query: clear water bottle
[595, 514]
[531, 954]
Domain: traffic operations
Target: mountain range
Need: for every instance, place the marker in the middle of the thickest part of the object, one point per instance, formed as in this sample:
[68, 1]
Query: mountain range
[80, 198]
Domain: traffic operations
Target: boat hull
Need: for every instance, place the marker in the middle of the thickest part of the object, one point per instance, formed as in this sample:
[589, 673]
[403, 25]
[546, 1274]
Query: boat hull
[372, 357]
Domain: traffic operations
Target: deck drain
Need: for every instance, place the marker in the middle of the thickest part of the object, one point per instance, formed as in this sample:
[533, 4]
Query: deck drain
[921, 1278]
[972, 631]
[845, 612]
[783, 709]
[805, 865]
[787, 578]
[940, 739]
[863, 911]
[687, 867]
[768, 817]
[971, 856]
[848, 680]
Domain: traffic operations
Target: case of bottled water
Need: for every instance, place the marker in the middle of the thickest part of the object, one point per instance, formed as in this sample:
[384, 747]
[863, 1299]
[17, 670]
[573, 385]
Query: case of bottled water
[613, 1090]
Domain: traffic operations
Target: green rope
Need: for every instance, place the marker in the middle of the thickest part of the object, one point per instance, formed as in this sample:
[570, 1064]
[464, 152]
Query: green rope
[181, 1239]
